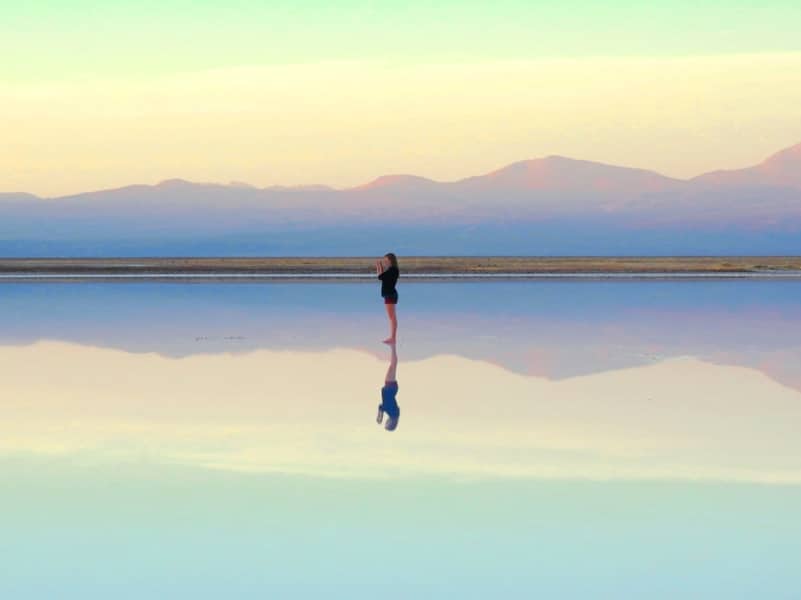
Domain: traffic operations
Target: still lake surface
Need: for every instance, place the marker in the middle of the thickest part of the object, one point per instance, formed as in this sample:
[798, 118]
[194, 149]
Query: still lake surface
[557, 439]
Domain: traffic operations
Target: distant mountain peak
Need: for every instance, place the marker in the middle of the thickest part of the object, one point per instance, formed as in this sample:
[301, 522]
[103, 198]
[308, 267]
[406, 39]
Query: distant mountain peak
[781, 169]
[556, 172]
[399, 180]
[788, 155]
[175, 182]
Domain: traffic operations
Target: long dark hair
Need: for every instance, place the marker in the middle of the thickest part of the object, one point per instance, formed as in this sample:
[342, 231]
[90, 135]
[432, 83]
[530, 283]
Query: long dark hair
[393, 260]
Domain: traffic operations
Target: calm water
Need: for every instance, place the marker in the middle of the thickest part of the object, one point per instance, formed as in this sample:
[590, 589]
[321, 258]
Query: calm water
[556, 439]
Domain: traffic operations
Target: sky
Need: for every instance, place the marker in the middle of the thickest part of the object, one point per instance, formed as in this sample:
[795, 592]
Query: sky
[96, 94]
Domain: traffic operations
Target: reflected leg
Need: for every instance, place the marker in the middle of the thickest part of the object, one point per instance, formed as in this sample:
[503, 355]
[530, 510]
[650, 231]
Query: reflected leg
[393, 365]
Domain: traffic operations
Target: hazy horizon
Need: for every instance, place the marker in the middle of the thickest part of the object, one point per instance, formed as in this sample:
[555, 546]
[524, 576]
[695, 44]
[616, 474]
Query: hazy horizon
[395, 177]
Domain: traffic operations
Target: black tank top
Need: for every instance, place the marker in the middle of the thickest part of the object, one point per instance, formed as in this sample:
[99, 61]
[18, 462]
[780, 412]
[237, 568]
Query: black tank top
[388, 280]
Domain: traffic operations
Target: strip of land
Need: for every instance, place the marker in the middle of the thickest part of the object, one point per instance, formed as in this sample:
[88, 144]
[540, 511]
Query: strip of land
[410, 266]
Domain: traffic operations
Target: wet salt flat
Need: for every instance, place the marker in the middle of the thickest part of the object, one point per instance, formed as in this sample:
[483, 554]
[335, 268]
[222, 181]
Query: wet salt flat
[571, 439]
[212, 276]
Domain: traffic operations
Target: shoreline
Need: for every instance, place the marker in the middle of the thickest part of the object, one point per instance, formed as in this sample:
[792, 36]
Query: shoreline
[413, 268]
[411, 279]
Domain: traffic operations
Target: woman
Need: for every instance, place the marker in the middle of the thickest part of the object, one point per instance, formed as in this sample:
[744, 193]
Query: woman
[388, 273]
[389, 401]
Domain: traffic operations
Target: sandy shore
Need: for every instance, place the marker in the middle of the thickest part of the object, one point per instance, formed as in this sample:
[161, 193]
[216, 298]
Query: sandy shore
[410, 266]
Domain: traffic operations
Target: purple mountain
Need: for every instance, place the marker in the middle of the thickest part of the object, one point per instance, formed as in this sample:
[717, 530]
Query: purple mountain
[783, 169]
[552, 205]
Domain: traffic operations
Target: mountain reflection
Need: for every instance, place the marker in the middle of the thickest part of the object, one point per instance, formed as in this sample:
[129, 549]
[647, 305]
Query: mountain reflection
[552, 329]
[261, 411]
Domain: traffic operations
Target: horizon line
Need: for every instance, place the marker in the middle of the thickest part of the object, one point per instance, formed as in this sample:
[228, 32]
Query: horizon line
[303, 187]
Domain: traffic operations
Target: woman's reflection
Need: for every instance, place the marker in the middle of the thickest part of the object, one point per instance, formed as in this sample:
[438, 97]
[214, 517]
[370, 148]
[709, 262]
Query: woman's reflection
[389, 404]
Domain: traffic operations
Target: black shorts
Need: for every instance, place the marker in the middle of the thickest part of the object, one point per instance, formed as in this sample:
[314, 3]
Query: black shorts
[391, 298]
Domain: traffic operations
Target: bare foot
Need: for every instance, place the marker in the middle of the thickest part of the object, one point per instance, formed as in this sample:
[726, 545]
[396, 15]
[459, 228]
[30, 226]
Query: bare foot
[389, 341]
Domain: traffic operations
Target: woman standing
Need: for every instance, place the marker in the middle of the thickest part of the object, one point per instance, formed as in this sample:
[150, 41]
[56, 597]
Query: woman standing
[388, 273]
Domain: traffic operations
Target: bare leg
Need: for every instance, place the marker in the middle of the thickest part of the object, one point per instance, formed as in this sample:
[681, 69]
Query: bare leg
[393, 365]
[393, 324]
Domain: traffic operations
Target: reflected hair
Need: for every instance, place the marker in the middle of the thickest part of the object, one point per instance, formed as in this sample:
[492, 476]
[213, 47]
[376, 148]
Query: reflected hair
[392, 420]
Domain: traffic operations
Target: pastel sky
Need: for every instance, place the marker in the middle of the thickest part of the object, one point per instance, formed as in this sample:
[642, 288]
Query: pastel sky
[96, 94]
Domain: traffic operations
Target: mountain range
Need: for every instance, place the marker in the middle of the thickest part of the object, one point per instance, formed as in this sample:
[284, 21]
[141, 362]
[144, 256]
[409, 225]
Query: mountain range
[547, 206]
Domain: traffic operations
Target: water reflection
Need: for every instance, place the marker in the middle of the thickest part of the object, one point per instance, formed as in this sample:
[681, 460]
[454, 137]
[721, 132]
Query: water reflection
[552, 329]
[260, 411]
[389, 392]
[169, 441]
